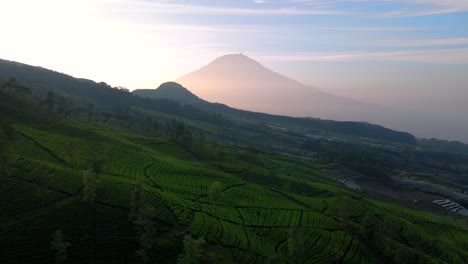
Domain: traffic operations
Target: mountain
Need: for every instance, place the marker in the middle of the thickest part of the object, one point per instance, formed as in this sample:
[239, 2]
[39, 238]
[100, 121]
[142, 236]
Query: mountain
[172, 91]
[242, 82]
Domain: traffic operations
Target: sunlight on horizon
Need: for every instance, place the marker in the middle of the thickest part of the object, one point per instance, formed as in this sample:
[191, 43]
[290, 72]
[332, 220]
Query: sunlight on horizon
[82, 39]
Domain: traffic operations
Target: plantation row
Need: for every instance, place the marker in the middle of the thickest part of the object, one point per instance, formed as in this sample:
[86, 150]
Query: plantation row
[321, 246]
[254, 195]
[253, 213]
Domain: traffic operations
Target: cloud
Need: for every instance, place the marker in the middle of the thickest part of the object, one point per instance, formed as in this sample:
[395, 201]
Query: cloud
[451, 56]
[416, 8]
[169, 8]
[424, 42]
[371, 29]
[408, 8]
[205, 28]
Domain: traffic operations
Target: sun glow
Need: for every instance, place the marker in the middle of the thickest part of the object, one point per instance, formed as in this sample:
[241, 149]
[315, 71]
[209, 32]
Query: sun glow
[100, 47]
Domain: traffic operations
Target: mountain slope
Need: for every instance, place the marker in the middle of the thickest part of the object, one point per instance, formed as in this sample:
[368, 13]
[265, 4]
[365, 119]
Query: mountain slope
[176, 92]
[241, 82]
[42, 80]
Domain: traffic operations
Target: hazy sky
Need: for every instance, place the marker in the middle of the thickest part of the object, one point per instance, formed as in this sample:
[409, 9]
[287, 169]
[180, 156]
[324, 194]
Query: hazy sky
[409, 53]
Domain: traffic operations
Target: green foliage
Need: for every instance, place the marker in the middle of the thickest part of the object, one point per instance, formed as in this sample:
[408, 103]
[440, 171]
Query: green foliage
[147, 228]
[42, 180]
[90, 112]
[89, 185]
[137, 201]
[97, 160]
[5, 157]
[182, 133]
[59, 246]
[259, 206]
[7, 138]
[192, 251]
[215, 192]
[295, 243]
[18, 89]
[50, 100]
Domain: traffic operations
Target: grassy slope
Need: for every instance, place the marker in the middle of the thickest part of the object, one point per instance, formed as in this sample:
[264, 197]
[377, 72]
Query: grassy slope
[264, 196]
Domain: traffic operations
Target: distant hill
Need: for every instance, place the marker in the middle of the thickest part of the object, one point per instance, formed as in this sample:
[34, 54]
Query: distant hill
[176, 92]
[172, 91]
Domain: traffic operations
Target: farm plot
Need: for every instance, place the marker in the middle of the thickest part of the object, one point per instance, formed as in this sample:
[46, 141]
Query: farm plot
[451, 206]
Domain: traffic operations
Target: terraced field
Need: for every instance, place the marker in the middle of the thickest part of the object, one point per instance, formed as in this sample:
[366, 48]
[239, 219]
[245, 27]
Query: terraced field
[263, 199]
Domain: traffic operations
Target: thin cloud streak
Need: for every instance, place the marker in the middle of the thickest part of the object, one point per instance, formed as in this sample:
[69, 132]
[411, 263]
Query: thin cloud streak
[450, 56]
[414, 8]
[184, 9]
[424, 42]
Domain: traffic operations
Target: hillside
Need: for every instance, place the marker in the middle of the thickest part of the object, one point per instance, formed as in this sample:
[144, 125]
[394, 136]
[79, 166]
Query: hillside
[178, 93]
[141, 177]
[172, 91]
[42, 80]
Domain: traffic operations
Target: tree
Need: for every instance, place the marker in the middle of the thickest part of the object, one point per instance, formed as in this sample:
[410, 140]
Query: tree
[147, 231]
[403, 255]
[90, 112]
[50, 100]
[9, 83]
[193, 250]
[274, 259]
[42, 179]
[155, 127]
[97, 160]
[187, 138]
[7, 135]
[182, 133]
[5, 157]
[220, 154]
[9, 132]
[18, 89]
[295, 243]
[137, 201]
[61, 104]
[122, 88]
[89, 185]
[71, 152]
[106, 116]
[148, 124]
[370, 223]
[60, 246]
[179, 129]
[215, 193]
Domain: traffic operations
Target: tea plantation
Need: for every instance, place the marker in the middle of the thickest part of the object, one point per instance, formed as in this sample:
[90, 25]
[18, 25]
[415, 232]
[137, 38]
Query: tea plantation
[249, 207]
